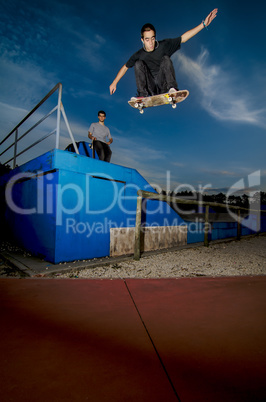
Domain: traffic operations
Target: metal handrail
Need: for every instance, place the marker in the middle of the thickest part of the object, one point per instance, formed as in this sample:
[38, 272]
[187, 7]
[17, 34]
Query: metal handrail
[28, 131]
[59, 108]
[166, 198]
[33, 145]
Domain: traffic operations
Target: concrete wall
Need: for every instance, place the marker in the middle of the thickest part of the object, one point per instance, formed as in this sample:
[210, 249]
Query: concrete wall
[152, 238]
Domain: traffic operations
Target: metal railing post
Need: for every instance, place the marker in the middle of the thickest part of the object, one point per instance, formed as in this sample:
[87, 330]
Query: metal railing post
[138, 228]
[238, 225]
[206, 226]
[258, 222]
[69, 129]
[15, 149]
[57, 136]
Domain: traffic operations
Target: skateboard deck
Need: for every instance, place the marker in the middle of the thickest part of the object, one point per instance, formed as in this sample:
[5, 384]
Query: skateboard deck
[157, 100]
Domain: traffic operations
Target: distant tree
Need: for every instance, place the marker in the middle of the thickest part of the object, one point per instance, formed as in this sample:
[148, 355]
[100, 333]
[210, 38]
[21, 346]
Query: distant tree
[245, 201]
[220, 198]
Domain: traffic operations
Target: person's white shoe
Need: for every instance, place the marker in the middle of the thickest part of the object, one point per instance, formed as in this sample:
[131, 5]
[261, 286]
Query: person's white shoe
[172, 90]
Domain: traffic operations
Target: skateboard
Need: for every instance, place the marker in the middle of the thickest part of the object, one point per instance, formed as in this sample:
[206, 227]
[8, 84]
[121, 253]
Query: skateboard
[171, 98]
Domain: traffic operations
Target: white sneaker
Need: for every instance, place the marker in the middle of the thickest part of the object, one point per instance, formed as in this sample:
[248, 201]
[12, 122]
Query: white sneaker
[172, 90]
[135, 98]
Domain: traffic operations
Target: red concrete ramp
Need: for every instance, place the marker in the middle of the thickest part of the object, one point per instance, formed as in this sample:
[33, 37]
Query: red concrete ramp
[138, 340]
[210, 334]
[67, 340]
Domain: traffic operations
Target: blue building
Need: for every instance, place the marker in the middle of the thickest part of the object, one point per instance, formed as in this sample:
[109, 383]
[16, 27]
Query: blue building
[63, 206]
[66, 206]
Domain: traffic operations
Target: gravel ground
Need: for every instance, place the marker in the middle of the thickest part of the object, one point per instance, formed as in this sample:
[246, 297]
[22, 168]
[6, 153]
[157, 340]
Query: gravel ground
[235, 258]
[245, 257]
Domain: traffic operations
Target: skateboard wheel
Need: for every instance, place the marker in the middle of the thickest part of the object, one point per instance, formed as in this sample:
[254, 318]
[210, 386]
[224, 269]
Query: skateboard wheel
[141, 111]
[170, 99]
[136, 105]
[174, 105]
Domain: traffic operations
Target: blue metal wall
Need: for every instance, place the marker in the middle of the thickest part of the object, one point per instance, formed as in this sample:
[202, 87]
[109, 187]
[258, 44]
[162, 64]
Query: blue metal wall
[62, 205]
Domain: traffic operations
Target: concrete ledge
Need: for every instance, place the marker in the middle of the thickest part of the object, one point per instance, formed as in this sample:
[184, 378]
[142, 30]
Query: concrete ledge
[122, 240]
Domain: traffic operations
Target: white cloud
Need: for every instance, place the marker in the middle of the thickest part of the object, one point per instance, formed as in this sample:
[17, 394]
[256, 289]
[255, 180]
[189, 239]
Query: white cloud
[220, 95]
[24, 82]
[178, 164]
[12, 116]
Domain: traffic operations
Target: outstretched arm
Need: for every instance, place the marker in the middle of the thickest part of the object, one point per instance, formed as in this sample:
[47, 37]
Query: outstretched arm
[189, 34]
[120, 74]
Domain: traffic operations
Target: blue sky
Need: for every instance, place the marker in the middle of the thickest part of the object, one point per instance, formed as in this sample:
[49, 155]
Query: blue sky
[212, 140]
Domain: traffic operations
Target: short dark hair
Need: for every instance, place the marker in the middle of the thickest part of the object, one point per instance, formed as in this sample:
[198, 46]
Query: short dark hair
[101, 112]
[147, 27]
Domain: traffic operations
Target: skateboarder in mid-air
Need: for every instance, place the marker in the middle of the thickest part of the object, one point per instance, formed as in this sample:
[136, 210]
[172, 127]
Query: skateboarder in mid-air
[154, 70]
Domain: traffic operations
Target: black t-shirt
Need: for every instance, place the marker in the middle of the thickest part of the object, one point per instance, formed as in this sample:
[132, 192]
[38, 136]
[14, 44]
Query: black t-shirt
[153, 59]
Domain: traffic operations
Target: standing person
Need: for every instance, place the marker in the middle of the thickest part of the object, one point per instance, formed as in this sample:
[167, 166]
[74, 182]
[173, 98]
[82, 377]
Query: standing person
[101, 137]
[154, 70]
